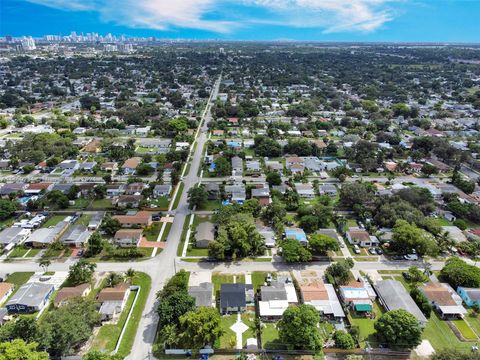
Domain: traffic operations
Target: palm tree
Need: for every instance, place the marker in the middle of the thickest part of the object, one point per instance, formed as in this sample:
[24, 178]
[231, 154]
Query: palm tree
[130, 275]
[445, 241]
[113, 279]
[45, 263]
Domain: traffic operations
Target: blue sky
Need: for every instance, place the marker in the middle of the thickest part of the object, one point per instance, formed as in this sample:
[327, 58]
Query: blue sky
[322, 20]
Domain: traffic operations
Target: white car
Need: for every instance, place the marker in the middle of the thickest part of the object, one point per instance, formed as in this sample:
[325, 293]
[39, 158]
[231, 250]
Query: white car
[411, 257]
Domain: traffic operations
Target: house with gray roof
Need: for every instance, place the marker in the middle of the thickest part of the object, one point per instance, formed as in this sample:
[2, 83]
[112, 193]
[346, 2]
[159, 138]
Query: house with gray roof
[392, 295]
[203, 294]
[13, 235]
[204, 235]
[30, 297]
[237, 165]
[76, 235]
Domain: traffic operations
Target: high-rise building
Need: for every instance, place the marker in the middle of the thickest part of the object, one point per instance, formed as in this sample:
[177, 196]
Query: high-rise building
[28, 43]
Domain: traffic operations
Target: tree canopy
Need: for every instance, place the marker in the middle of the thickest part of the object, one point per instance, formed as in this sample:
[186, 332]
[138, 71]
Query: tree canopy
[298, 328]
[398, 329]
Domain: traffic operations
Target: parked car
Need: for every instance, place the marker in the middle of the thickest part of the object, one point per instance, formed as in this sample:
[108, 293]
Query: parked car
[397, 257]
[356, 249]
[379, 251]
[411, 257]
[372, 251]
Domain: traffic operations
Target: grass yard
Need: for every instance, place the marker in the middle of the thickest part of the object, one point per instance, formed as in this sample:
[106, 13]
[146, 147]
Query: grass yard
[210, 205]
[18, 251]
[465, 329]
[181, 244]
[181, 185]
[398, 272]
[441, 336]
[197, 252]
[109, 334]
[473, 320]
[228, 339]
[162, 202]
[52, 221]
[258, 278]
[19, 278]
[366, 325]
[168, 226]
[80, 203]
[101, 204]
[84, 220]
[269, 336]
[218, 279]
[249, 320]
[152, 231]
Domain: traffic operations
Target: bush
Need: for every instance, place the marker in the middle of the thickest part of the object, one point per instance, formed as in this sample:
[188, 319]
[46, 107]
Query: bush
[461, 224]
[343, 340]
[421, 301]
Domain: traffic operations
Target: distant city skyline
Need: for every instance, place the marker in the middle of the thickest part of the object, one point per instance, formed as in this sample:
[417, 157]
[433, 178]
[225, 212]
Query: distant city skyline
[304, 20]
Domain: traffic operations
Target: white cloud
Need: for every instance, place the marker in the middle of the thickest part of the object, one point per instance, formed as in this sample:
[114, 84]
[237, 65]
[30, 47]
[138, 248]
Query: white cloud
[329, 15]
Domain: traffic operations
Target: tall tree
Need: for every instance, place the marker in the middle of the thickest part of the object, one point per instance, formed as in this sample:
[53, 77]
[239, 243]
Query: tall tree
[298, 328]
[399, 329]
[200, 327]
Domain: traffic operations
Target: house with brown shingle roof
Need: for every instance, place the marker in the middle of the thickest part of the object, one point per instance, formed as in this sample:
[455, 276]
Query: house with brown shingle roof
[130, 165]
[67, 293]
[444, 300]
[113, 301]
[141, 218]
[93, 146]
[128, 237]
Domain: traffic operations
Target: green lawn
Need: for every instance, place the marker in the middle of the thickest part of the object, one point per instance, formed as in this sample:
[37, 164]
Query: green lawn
[228, 339]
[181, 244]
[210, 205]
[18, 251]
[258, 278]
[107, 337]
[168, 226]
[19, 278]
[365, 325]
[80, 203]
[465, 329]
[473, 320]
[181, 185]
[248, 319]
[83, 220]
[151, 232]
[441, 336]
[197, 252]
[101, 204]
[52, 221]
[162, 202]
[218, 279]
[269, 335]
[109, 334]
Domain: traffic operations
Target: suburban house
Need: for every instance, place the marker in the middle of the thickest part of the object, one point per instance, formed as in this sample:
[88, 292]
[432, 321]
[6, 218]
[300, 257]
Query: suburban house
[213, 191]
[43, 237]
[262, 194]
[109, 167]
[203, 294]
[235, 297]
[470, 296]
[392, 295]
[237, 166]
[236, 192]
[134, 188]
[128, 237]
[253, 166]
[295, 164]
[359, 295]
[131, 201]
[12, 236]
[115, 190]
[276, 298]
[130, 165]
[445, 301]
[296, 234]
[323, 297]
[76, 235]
[305, 190]
[268, 235]
[357, 236]
[6, 289]
[162, 190]
[204, 234]
[113, 301]
[67, 293]
[140, 218]
[328, 189]
[29, 298]
[95, 221]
